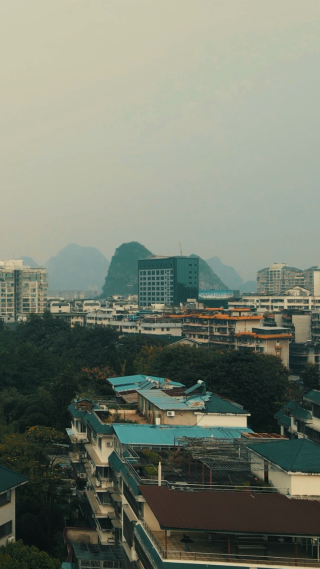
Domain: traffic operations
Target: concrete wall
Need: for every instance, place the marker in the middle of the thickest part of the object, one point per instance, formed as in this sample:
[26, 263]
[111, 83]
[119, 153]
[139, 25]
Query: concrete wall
[308, 485]
[295, 484]
[211, 420]
[302, 326]
[150, 518]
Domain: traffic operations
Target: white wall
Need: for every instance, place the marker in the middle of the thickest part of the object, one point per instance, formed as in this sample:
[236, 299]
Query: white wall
[212, 420]
[7, 514]
[308, 485]
[150, 518]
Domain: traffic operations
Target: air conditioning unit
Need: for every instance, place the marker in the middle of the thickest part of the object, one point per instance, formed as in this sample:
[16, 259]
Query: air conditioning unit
[82, 475]
[109, 443]
[171, 413]
[11, 539]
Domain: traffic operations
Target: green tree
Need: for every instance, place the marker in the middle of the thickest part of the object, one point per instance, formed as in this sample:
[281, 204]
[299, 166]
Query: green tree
[20, 556]
[46, 499]
[310, 377]
[259, 382]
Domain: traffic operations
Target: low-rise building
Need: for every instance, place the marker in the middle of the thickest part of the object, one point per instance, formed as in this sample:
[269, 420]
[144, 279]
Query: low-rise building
[291, 466]
[9, 482]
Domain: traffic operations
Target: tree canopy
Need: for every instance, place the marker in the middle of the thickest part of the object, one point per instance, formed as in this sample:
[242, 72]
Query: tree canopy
[259, 382]
[20, 556]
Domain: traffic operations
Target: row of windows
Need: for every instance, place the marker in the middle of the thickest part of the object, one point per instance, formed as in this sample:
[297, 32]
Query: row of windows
[156, 278]
[5, 529]
[159, 272]
[5, 498]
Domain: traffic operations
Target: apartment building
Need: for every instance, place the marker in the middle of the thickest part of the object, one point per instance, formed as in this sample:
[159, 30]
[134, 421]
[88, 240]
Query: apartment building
[167, 280]
[23, 290]
[105, 455]
[301, 420]
[278, 278]
[9, 482]
[288, 301]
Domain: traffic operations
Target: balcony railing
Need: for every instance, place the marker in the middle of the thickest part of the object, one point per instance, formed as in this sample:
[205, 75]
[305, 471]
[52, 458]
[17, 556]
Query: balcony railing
[252, 552]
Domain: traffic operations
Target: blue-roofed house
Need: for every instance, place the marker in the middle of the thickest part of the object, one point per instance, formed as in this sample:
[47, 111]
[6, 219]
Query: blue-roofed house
[134, 383]
[195, 407]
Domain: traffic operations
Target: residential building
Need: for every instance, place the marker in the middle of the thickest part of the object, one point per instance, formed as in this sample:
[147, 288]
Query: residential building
[167, 280]
[195, 406]
[23, 290]
[301, 420]
[291, 466]
[204, 528]
[312, 280]
[262, 303]
[59, 307]
[9, 482]
[278, 278]
[127, 387]
[267, 340]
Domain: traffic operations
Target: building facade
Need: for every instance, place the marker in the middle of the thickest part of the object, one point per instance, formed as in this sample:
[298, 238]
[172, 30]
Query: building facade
[9, 481]
[23, 290]
[167, 280]
[278, 278]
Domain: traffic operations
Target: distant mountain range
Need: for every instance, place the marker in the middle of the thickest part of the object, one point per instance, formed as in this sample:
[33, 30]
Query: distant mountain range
[207, 277]
[86, 268]
[122, 277]
[230, 276]
[29, 262]
[77, 268]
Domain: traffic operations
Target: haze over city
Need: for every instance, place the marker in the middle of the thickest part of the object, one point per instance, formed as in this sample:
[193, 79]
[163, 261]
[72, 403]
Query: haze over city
[160, 122]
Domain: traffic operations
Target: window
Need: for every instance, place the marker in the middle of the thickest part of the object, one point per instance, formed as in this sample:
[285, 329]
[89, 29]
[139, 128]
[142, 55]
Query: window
[5, 498]
[5, 529]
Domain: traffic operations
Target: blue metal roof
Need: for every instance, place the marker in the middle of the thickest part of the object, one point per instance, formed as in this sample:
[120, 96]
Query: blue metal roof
[164, 435]
[163, 401]
[137, 379]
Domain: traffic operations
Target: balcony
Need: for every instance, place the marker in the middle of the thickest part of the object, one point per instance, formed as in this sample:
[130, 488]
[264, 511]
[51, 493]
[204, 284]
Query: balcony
[252, 550]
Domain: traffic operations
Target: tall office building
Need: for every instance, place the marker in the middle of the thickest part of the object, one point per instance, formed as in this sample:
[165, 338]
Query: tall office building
[23, 290]
[278, 278]
[168, 280]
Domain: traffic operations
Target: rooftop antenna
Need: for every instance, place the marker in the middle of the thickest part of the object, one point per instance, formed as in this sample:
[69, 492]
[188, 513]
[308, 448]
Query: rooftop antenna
[180, 248]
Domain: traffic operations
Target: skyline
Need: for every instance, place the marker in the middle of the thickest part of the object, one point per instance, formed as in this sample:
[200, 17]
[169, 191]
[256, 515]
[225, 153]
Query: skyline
[192, 122]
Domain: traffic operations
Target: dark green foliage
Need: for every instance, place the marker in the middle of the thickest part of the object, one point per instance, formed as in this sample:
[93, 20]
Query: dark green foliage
[122, 277]
[310, 377]
[258, 382]
[77, 267]
[20, 556]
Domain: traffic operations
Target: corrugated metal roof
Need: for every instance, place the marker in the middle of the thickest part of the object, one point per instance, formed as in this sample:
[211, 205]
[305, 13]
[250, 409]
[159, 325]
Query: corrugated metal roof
[283, 419]
[296, 455]
[217, 404]
[163, 401]
[136, 379]
[301, 413]
[98, 427]
[10, 479]
[164, 435]
[76, 413]
[233, 512]
[313, 395]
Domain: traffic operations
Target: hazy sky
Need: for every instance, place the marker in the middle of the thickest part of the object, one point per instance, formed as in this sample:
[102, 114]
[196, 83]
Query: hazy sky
[161, 121]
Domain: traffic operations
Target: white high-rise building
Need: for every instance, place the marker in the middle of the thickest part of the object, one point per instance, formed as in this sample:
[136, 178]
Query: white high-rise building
[23, 290]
